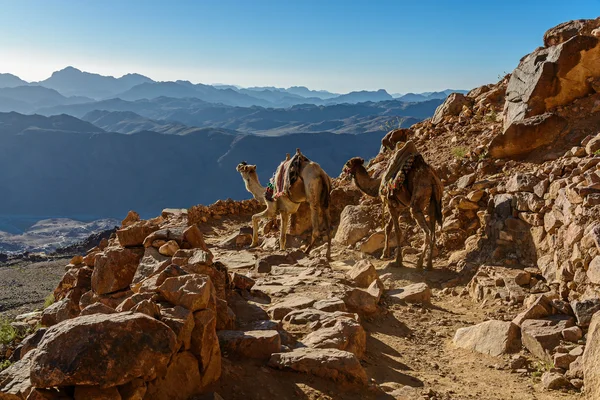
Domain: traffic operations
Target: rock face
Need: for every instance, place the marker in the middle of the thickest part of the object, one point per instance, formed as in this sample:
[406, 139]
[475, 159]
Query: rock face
[337, 365]
[341, 333]
[591, 359]
[453, 105]
[363, 273]
[491, 337]
[192, 291]
[105, 350]
[14, 381]
[541, 336]
[181, 381]
[115, 268]
[251, 344]
[415, 293]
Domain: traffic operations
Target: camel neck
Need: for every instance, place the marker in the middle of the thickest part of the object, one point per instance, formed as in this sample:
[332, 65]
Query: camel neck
[253, 186]
[365, 183]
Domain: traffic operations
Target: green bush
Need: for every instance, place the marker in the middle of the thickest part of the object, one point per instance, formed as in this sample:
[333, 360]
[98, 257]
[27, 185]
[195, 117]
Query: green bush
[4, 364]
[597, 152]
[7, 332]
[460, 152]
[49, 300]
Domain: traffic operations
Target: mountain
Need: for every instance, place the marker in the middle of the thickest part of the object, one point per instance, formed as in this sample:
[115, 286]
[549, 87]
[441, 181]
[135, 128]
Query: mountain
[418, 97]
[305, 92]
[102, 174]
[73, 82]
[29, 98]
[361, 97]
[10, 80]
[337, 118]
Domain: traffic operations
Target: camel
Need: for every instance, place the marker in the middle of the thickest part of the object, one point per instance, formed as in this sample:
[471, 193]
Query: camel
[421, 192]
[312, 186]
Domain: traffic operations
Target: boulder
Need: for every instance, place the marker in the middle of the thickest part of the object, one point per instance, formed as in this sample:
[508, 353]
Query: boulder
[135, 233]
[541, 336]
[330, 305]
[591, 359]
[60, 311]
[279, 310]
[194, 292]
[521, 183]
[242, 282]
[554, 381]
[572, 334]
[593, 146]
[551, 77]
[181, 382]
[355, 223]
[97, 308]
[541, 307]
[415, 293]
[251, 344]
[334, 364]
[593, 272]
[166, 234]
[584, 310]
[376, 242]
[151, 263]
[14, 380]
[169, 248]
[181, 321]
[205, 346]
[115, 268]
[103, 350]
[452, 106]
[195, 238]
[565, 31]
[491, 337]
[340, 333]
[364, 301]
[523, 136]
[363, 273]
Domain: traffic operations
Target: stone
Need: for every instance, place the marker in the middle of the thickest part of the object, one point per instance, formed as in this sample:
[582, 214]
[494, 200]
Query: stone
[541, 336]
[593, 272]
[181, 382]
[135, 233]
[166, 234]
[181, 321]
[169, 249]
[340, 333]
[205, 346]
[376, 242]
[134, 390]
[591, 359]
[542, 307]
[572, 334]
[593, 146]
[355, 224]
[491, 337]
[572, 235]
[415, 293]
[563, 32]
[521, 183]
[575, 369]
[114, 269]
[475, 195]
[554, 381]
[151, 263]
[225, 316]
[15, 383]
[452, 106]
[526, 135]
[29, 343]
[60, 311]
[563, 360]
[363, 273]
[98, 308]
[74, 278]
[96, 393]
[195, 238]
[130, 218]
[334, 364]
[551, 77]
[330, 305]
[466, 180]
[279, 310]
[103, 350]
[584, 310]
[48, 394]
[364, 301]
[242, 282]
[251, 344]
[553, 220]
[192, 291]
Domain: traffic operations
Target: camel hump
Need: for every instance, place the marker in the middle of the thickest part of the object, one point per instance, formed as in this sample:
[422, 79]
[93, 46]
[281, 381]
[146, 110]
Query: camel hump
[287, 156]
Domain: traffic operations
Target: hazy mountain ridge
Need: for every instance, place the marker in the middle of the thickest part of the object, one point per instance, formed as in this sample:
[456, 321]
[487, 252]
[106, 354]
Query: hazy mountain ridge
[105, 174]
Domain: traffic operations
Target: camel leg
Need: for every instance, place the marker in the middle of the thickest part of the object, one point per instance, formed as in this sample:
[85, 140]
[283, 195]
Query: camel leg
[394, 213]
[432, 235]
[420, 218]
[386, 246]
[269, 212]
[314, 214]
[284, 227]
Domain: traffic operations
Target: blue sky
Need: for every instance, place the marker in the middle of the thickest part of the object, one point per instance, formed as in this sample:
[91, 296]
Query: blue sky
[400, 46]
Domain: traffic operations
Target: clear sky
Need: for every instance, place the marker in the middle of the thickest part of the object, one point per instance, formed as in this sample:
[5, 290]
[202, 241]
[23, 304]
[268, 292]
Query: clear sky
[400, 46]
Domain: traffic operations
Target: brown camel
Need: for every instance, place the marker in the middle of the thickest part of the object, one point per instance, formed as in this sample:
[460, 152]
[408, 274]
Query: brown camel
[421, 191]
[312, 186]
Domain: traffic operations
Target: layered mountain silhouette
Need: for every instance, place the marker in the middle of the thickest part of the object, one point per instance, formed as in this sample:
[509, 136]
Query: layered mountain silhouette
[425, 96]
[10, 80]
[84, 170]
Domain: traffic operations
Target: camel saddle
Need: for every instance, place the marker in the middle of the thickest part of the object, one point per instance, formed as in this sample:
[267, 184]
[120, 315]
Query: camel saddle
[400, 164]
[286, 174]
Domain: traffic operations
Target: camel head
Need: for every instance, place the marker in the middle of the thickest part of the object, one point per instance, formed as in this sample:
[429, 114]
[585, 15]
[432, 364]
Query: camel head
[246, 170]
[351, 166]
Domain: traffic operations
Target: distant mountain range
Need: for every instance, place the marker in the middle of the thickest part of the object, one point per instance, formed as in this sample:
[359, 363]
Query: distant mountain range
[64, 166]
[75, 86]
[425, 96]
